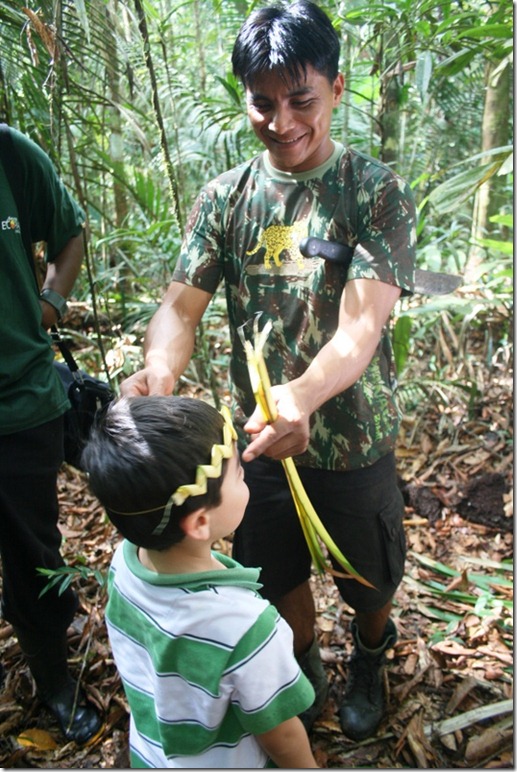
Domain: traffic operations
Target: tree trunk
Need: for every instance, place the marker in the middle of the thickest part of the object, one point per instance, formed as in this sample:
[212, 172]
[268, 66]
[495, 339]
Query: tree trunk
[389, 116]
[490, 196]
[116, 154]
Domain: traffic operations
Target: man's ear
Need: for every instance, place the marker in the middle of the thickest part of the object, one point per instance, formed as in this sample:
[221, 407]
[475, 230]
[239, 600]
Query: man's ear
[196, 525]
[338, 88]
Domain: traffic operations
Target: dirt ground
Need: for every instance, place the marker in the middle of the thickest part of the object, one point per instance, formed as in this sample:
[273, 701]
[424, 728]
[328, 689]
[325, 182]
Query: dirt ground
[449, 679]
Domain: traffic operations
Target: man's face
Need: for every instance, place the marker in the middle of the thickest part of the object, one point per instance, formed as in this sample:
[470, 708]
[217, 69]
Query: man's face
[293, 119]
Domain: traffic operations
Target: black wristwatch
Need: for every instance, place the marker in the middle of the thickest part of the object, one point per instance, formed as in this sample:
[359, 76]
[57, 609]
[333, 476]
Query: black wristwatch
[56, 300]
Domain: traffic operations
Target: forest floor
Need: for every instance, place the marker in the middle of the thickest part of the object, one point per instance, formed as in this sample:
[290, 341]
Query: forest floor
[449, 678]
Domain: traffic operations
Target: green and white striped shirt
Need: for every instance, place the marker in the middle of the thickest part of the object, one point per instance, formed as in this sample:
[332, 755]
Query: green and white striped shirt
[206, 664]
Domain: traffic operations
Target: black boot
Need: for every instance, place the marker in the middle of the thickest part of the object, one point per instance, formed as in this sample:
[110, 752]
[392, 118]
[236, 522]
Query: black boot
[47, 659]
[312, 666]
[363, 706]
[77, 718]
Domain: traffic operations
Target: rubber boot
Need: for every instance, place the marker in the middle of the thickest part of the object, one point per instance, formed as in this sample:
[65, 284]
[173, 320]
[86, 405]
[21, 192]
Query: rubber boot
[312, 666]
[363, 705]
[47, 659]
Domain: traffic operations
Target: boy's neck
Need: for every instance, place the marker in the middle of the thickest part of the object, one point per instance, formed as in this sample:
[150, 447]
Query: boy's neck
[181, 558]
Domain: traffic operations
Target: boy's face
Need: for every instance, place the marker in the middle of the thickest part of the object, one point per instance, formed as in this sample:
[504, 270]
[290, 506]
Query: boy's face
[234, 496]
[293, 119]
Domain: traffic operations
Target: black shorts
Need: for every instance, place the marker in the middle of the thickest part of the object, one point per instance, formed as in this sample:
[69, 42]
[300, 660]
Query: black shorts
[361, 509]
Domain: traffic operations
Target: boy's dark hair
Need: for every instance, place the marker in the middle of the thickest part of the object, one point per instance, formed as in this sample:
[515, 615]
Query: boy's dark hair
[288, 38]
[141, 450]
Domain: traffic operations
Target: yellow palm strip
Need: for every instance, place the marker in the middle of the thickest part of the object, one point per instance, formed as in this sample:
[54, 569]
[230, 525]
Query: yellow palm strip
[311, 524]
[212, 470]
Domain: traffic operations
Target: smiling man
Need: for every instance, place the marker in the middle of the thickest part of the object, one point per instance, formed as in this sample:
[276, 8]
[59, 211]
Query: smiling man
[329, 352]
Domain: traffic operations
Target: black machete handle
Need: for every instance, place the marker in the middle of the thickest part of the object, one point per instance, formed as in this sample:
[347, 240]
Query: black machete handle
[329, 250]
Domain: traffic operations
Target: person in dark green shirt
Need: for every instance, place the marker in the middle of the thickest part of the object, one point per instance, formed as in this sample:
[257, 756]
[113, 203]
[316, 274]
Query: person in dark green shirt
[329, 352]
[32, 404]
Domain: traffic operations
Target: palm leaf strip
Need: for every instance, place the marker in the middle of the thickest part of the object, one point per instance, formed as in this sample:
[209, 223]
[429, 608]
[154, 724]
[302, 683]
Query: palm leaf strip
[312, 527]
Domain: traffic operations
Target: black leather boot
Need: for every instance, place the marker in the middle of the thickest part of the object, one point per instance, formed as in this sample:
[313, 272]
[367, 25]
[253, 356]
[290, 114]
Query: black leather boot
[47, 656]
[77, 718]
[363, 706]
[312, 666]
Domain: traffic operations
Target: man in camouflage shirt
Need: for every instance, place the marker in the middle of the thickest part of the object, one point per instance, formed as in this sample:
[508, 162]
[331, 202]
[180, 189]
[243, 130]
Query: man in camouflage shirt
[328, 353]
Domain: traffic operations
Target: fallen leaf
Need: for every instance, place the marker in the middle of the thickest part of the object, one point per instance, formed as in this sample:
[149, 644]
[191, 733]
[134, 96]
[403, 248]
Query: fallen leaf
[37, 738]
[461, 691]
[492, 740]
[460, 582]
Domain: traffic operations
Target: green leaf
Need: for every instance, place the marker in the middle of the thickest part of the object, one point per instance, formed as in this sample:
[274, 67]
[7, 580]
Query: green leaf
[230, 85]
[503, 219]
[450, 194]
[401, 341]
[487, 31]
[80, 7]
[423, 72]
[506, 247]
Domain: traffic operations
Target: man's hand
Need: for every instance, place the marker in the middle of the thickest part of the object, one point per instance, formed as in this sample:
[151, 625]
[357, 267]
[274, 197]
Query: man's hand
[169, 342]
[287, 436]
[149, 382]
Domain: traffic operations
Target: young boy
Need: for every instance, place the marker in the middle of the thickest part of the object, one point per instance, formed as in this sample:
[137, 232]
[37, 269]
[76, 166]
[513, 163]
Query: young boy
[207, 664]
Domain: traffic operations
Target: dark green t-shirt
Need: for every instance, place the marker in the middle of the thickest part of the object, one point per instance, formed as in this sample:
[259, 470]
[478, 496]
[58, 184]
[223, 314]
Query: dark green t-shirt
[244, 229]
[30, 389]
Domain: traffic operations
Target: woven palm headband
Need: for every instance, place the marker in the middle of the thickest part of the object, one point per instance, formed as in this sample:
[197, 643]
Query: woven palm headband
[213, 470]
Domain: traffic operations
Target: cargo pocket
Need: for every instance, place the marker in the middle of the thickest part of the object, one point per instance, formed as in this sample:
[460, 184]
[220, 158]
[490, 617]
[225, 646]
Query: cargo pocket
[394, 539]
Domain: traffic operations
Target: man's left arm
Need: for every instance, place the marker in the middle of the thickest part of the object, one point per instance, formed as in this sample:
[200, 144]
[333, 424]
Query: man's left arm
[365, 307]
[60, 278]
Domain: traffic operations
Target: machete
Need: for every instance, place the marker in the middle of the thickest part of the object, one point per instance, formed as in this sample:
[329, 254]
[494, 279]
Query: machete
[426, 282]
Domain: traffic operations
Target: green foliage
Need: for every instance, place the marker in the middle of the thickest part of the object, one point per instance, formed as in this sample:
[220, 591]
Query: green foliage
[62, 578]
[401, 341]
[460, 187]
[484, 594]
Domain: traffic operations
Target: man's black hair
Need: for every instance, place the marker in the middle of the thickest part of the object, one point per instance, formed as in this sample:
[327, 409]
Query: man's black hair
[140, 452]
[286, 38]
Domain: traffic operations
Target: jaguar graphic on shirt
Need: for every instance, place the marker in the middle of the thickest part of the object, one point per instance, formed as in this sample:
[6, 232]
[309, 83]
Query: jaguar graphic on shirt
[282, 238]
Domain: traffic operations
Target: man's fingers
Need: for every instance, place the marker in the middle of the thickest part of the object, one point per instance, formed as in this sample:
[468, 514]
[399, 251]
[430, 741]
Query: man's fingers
[270, 444]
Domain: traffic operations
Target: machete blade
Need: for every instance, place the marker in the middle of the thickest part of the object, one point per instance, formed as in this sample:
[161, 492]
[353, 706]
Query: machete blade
[434, 283]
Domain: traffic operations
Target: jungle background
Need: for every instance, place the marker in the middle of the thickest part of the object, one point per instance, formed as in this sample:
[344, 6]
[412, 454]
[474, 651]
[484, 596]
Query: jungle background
[135, 103]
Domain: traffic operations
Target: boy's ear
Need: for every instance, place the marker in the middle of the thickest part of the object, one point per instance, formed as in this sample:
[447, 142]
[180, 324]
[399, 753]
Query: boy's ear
[196, 525]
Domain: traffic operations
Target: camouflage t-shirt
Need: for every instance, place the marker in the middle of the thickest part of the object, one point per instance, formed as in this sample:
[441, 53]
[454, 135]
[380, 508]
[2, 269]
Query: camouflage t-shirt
[244, 229]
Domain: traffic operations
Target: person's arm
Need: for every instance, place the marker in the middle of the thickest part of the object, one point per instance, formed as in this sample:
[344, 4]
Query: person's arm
[365, 307]
[288, 745]
[169, 341]
[60, 277]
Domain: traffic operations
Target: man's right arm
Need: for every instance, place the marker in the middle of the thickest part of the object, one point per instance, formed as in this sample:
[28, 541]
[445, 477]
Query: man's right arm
[169, 341]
